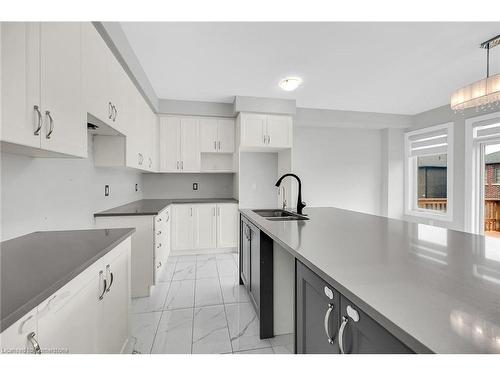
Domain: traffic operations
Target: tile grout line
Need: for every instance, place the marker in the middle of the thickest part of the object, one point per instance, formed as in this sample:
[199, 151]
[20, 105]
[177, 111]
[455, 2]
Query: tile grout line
[224, 306]
[194, 303]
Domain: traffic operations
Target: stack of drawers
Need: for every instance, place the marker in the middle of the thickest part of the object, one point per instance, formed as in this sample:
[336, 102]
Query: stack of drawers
[162, 241]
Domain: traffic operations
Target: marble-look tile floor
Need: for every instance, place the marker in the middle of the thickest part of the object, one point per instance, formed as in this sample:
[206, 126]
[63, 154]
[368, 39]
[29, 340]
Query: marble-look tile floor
[199, 307]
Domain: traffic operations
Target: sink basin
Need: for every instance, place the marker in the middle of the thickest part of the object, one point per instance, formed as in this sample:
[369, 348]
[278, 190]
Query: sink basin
[279, 215]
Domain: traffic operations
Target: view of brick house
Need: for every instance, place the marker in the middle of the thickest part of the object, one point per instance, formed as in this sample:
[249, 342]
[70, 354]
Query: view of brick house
[492, 192]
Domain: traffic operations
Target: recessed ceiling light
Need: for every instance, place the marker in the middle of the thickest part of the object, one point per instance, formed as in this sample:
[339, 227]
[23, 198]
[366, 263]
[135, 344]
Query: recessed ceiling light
[290, 83]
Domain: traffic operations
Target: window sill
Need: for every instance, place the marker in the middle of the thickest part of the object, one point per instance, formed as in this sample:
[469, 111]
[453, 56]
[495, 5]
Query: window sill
[430, 215]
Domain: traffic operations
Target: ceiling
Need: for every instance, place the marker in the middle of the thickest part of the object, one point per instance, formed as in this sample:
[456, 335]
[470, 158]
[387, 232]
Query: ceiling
[403, 68]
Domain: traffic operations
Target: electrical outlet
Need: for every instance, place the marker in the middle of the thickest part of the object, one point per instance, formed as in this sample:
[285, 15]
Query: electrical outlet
[136, 187]
[106, 190]
[195, 186]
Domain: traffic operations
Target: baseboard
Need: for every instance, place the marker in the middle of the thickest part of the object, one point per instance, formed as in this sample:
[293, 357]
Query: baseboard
[203, 251]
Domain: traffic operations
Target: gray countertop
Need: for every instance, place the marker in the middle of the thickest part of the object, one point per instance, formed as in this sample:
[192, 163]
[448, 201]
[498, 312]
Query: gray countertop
[154, 206]
[36, 265]
[437, 290]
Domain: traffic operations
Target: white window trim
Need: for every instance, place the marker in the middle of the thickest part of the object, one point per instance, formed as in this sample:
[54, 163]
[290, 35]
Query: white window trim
[474, 174]
[411, 183]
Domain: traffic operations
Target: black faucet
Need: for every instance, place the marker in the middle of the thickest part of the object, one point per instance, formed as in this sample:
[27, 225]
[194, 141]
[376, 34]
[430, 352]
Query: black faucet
[300, 204]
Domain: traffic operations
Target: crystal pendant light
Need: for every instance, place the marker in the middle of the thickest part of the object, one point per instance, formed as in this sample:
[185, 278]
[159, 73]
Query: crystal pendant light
[483, 94]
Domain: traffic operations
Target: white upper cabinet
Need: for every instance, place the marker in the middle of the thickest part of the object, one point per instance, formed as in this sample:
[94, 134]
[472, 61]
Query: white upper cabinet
[260, 131]
[20, 72]
[225, 134]
[208, 135]
[95, 59]
[190, 150]
[253, 130]
[42, 88]
[61, 87]
[179, 144]
[279, 131]
[217, 135]
[170, 147]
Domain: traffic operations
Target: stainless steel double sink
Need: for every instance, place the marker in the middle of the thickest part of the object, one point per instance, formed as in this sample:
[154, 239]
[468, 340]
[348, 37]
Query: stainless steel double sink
[280, 215]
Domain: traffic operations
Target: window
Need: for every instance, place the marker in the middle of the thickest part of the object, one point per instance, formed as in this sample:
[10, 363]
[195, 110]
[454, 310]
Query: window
[497, 175]
[429, 172]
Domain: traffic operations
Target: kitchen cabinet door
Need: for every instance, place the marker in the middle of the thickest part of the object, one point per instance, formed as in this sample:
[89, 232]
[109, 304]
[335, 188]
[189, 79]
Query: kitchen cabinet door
[208, 135]
[253, 130]
[190, 145]
[227, 225]
[65, 129]
[68, 320]
[170, 153]
[255, 266]
[279, 131]
[225, 135]
[113, 320]
[21, 337]
[95, 77]
[360, 334]
[20, 83]
[245, 254]
[182, 227]
[317, 311]
[205, 226]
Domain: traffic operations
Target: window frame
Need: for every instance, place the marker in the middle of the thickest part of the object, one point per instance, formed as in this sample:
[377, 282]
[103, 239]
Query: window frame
[411, 176]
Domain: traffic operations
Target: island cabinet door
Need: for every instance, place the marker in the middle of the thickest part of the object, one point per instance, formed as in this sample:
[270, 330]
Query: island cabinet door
[317, 314]
[360, 334]
[245, 254]
[255, 265]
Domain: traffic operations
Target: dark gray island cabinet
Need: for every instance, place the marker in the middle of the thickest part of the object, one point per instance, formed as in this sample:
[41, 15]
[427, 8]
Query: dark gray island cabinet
[327, 322]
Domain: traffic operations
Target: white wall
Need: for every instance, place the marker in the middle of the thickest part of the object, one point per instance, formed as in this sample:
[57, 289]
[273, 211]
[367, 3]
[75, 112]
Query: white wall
[258, 174]
[210, 185]
[339, 167]
[55, 194]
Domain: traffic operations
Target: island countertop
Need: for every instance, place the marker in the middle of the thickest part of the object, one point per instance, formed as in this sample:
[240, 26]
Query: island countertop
[155, 206]
[436, 290]
[36, 265]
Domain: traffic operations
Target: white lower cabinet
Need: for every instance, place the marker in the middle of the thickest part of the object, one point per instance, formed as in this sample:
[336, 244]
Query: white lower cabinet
[161, 242]
[205, 229]
[182, 227]
[227, 225]
[87, 315]
[21, 336]
[204, 226]
[150, 246]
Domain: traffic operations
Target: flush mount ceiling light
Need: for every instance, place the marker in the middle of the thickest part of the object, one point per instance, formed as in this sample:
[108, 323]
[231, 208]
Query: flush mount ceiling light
[290, 83]
[483, 94]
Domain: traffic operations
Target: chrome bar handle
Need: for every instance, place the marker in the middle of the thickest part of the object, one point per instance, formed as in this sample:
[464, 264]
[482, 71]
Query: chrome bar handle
[39, 122]
[341, 334]
[51, 124]
[159, 265]
[177, 165]
[219, 145]
[105, 285]
[331, 338]
[34, 343]
[108, 272]
[215, 145]
[158, 233]
[116, 113]
[182, 165]
[110, 110]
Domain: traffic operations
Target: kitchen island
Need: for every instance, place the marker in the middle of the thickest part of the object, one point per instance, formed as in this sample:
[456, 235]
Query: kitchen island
[66, 291]
[433, 289]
